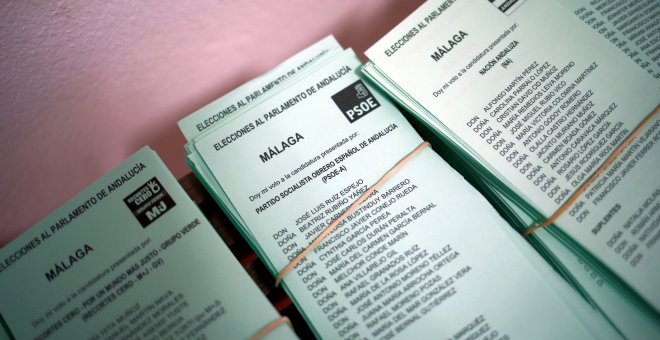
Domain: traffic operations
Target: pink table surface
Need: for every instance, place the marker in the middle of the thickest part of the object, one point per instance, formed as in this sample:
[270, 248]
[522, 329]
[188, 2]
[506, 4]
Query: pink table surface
[87, 83]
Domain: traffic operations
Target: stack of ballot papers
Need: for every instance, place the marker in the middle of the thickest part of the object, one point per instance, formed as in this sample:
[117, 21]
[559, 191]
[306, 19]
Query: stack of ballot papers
[556, 125]
[424, 256]
[630, 25]
[130, 257]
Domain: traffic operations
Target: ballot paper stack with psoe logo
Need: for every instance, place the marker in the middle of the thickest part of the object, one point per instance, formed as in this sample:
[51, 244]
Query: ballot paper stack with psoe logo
[424, 256]
[534, 108]
[131, 256]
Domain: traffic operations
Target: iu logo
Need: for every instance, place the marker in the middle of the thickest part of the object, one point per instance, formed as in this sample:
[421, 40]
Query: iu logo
[149, 202]
[355, 101]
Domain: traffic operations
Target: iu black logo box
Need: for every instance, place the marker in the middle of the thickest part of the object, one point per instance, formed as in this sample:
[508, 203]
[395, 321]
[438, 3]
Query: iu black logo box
[355, 101]
[149, 202]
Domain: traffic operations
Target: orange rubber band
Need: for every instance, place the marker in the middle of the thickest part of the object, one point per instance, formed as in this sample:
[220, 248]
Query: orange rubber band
[270, 327]
[348, 211]
[593, 176]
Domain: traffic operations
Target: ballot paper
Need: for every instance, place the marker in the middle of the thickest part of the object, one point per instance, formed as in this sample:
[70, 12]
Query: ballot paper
[629, 319]
[630, 25]
[536, 102]
[425, 256]
[131, 256]
[244, 96]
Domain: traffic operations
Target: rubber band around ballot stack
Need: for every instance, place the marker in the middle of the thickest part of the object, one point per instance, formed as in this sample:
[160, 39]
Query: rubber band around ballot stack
[593, 176]
[350, 210]
[271, 327]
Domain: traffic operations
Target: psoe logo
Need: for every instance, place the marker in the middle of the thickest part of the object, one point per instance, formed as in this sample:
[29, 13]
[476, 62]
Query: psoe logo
[355, 101]
[149, 202]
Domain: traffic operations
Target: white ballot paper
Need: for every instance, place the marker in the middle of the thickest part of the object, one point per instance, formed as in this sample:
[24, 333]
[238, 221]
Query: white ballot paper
[540, 102]
[631, 25]
[425, 256]
[622, 313]
[256, 89]
[129, 257]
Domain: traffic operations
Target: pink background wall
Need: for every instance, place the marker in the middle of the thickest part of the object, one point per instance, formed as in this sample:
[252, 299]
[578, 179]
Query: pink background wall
[87, 83]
